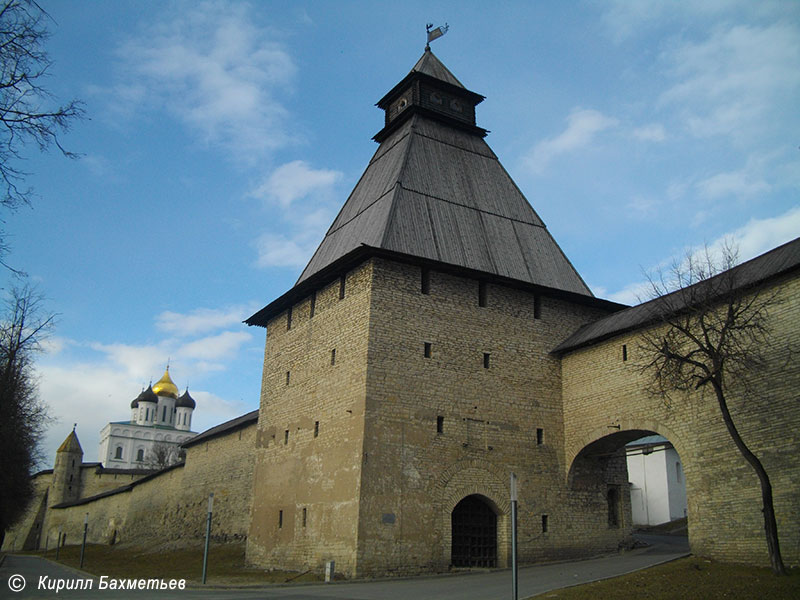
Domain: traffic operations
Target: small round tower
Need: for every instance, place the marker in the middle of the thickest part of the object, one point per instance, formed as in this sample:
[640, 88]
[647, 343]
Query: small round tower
[66, 482]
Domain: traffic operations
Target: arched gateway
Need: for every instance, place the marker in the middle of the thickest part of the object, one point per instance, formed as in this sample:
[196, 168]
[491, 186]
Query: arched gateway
[474, 533]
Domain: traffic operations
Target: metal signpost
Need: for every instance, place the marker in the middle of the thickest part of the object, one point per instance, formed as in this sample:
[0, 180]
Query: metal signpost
[85, 529]
[208, 534]
[514, 586]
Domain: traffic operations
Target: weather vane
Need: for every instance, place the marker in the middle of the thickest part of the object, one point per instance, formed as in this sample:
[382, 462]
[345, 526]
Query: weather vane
[435, 33]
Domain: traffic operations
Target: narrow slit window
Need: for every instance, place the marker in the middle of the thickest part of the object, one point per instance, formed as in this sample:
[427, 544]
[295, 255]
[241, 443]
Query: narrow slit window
[288, 377]
[544, 523]
[624, 352]
[427, 350]
[440, 424]
[486, 356]
[305, 516]
[426, 281]
[316, 428]
[289, 319]
[539, 436]
[313, 305]
[481, 293]
[333, 356]
[285, 437]
[341, 287]
[280, 519]
[537, 307]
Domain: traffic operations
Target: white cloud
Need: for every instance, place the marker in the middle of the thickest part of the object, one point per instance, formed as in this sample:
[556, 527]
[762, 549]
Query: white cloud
[306, 196]
[94, 394]
[625, 19]
[632, 294]
[582, 127]
[90, 394]
[753, 239]
[216, 347]
[278, 250]
[215, 70]
[202, 320]
[138, 363]
[295, 180]
[643, 206]
[739, 184]
[650, 133]
[761, 235]
[732, 81]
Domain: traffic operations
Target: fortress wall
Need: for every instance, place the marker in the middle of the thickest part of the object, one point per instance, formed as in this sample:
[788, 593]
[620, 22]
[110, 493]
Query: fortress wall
[106, 516]
[725, 520]
[414, 476]
[222, 465]
[308, 447]
[154, 514]
[25, 534]
[93, 483]
[171, 507]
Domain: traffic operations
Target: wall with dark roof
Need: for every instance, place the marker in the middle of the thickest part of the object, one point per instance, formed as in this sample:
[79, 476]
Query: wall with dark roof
[605, 401]
[167, 507]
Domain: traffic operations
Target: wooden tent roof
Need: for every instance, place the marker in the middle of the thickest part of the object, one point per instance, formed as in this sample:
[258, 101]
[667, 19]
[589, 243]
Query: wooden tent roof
[435, 192]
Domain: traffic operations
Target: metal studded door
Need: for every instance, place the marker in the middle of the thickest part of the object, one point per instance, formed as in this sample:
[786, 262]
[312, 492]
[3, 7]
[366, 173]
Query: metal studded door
[474, 529]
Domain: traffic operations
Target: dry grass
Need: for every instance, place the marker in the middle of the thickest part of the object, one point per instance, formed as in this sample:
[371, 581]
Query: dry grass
[226, 565]
[689, 578]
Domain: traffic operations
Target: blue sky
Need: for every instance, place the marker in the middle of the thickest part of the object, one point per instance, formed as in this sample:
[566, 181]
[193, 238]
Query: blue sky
[223, 137]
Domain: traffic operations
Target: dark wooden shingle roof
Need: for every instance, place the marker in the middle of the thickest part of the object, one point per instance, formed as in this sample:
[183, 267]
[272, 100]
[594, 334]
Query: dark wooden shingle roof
[441, 194]
[223, 428]
[774, 263]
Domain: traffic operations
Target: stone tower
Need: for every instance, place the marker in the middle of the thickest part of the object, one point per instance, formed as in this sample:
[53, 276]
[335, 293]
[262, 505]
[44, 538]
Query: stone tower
[66, 483]
[408, 372]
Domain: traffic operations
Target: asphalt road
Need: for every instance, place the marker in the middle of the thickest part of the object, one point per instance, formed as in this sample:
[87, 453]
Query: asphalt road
[491, 585]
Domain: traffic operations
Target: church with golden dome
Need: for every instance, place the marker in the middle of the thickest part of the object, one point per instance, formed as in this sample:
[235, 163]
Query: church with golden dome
[161, 420]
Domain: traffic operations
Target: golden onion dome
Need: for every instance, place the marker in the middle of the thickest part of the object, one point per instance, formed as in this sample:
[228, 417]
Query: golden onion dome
[166, 387]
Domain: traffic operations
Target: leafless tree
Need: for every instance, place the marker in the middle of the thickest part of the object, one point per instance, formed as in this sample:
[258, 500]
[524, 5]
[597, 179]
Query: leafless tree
[23, 416]
[713, 333]
[27, 114]
[161, 456]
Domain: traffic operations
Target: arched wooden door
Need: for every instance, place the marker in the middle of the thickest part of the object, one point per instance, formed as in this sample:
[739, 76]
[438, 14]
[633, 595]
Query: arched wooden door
[474, 529]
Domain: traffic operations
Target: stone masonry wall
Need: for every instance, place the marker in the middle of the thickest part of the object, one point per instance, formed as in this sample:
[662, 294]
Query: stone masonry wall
[309, 440]
[171, 507]
[603, 394]
[413, 475]
[25, 534]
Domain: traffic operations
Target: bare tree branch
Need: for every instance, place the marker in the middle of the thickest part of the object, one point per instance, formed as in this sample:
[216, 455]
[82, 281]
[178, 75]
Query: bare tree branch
[26, 114]
[710, 330]
[23, 416]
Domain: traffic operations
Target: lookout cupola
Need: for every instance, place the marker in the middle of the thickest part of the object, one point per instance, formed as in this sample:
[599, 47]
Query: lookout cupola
[430, 89]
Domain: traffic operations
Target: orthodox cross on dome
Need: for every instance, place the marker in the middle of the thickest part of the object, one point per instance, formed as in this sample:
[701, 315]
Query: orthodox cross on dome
[435, 33]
